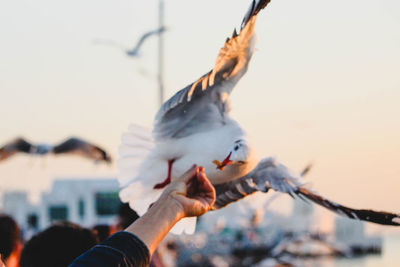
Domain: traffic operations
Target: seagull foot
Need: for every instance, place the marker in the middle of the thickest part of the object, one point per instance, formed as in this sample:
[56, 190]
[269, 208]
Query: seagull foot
[167, 181]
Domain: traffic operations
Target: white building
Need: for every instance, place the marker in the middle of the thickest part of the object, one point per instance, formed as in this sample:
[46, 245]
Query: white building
[349, 231]
[302, 217]
[83, 201]
[16, 203]
[352, 233]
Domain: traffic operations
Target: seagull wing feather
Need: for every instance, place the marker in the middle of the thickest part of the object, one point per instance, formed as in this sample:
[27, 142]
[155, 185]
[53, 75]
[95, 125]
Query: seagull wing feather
[17, 145]
[271, 175]
[203, 104]
[82, 147]
[109, 42]
[145, 36]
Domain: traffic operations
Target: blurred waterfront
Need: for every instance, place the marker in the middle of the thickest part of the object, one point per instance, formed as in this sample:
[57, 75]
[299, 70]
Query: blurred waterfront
[390, 257]
[260, 231]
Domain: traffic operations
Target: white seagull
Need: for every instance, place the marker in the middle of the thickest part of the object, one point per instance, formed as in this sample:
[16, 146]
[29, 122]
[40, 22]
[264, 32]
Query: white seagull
[194, 126]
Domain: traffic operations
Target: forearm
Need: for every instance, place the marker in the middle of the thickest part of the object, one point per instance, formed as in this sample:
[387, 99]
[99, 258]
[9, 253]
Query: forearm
[154, 225]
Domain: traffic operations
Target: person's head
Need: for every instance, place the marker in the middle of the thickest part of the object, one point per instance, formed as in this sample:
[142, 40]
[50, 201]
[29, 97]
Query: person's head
[57, 246]
[10, 238]
[103, 231]
[126, 216]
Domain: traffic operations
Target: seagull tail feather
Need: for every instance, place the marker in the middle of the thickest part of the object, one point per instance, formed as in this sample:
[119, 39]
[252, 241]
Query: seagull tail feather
[136, 145]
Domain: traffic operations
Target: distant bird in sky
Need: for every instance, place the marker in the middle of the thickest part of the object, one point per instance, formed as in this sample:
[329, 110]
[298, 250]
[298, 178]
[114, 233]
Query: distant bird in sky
[71, 145]
[136, 50]
[194, 126]
[306, 170]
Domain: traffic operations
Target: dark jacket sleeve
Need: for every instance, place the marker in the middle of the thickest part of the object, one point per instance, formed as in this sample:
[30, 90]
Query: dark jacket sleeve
[122, 249]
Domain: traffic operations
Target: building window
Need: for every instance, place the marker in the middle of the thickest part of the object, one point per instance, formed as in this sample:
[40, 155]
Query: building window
[57, 213]
[32, 220]
[107, 203]
[81, 209]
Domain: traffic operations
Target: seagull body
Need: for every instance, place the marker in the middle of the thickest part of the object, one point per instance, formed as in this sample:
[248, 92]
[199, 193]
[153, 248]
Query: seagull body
[200, 148]
[41, 149]
[194, 127]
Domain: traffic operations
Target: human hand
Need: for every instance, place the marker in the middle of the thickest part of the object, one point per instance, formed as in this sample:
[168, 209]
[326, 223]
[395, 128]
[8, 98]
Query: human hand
[193, 193]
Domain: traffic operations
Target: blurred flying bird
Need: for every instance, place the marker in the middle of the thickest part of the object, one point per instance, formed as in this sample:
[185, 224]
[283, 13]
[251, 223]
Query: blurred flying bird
[194, 126]
[306, 170]
[72, 145]
[135, 51]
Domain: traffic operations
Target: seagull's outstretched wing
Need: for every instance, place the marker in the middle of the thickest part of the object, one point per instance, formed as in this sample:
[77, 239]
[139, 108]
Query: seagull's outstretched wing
[203, 104]
[271, 175]
[145, 36]
[15, 146]
[109, 42]
[81, 147]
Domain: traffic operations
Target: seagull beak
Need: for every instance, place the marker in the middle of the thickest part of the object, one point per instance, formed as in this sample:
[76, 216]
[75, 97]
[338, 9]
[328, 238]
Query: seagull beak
[224, 163]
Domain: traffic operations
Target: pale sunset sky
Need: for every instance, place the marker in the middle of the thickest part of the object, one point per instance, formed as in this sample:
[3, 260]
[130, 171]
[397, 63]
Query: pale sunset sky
[322, 87]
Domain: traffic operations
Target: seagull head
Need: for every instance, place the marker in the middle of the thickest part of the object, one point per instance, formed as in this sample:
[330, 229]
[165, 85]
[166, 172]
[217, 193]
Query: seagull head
[238, 155]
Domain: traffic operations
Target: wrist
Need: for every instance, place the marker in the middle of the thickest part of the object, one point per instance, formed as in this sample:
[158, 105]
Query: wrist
[169, 208]
[157, 221]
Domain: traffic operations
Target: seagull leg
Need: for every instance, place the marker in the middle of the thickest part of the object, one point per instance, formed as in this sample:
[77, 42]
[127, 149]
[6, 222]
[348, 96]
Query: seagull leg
[31, 162]
[168, 179]
[43, 159]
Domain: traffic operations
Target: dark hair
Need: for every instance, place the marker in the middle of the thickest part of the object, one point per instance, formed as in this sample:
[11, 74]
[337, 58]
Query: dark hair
[103, 231]
[57, 246]
[126, 216]
[10, 235]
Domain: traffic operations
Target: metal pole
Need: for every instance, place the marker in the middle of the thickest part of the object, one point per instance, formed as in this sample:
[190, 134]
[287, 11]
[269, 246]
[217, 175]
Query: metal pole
[161, 52]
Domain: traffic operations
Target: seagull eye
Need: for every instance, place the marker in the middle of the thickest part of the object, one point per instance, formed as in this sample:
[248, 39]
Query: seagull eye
[236, 148]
